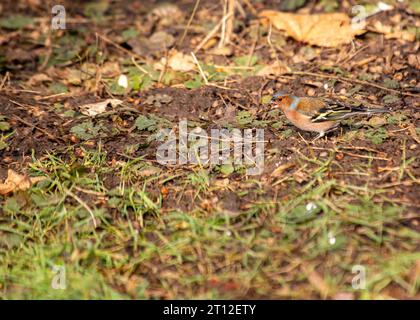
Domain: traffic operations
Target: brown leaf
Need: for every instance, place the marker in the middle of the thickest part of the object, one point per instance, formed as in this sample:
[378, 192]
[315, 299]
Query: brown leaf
[324, 30]
[275, 68]
[16, 182]
[278, 172]
[93, 109]
[181, 62]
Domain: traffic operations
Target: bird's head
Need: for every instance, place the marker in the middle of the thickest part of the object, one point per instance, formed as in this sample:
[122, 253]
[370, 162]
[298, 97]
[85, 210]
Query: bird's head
[281, 100]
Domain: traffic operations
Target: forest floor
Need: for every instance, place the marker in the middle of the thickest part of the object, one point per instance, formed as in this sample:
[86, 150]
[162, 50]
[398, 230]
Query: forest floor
[125, 226]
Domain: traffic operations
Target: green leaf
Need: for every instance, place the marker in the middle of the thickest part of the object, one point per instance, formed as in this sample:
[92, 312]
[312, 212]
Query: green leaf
[366, 76]
[3, 145]
[377, 136]
[243, 61]
[4, 126]
[244, 118]
[227, 169]
[145, 123]
[11, 206]
[391, 84]
[302, 213]
[355, 89]
[332, 69]
[58, 88]
[69, 113]
[129, 34]
[86, 130]
[265, 99]
[390, 99]
[96, 9]
[414, 5]
[193, 84]
[291, 5]
[15, 22]
[329, 5]
[287, 133]
[396, 118]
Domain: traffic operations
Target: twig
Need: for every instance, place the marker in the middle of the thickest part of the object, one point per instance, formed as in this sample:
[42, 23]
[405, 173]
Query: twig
[189, 22]
[130, 53]
[230, 21]
[363, 156]
[84, 205]
[36, 127]
[211, 33]
[199, 68]
[165, 67]
[53, 96]
[223, 34]
[140, 67]
[250, 7]
[5, 78]
[253, 46]
[49, 52]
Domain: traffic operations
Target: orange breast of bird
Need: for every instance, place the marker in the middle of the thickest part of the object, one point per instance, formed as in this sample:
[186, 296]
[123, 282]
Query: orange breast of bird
[304, 122]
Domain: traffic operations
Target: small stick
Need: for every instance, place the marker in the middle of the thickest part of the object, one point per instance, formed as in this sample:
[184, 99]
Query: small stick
[5, 78]
[363, 156]
[211, 33]
[253, 46]
[130, 53]
[52, 96]
[250, 7]
[140, 67]
[230, 21]
[165, 67]
[84, 205]
[199, 68]
[222, 36]
[189, 21]
[32, 125]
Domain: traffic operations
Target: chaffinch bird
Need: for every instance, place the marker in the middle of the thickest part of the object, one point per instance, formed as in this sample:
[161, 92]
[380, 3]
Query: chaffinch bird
[317, 115]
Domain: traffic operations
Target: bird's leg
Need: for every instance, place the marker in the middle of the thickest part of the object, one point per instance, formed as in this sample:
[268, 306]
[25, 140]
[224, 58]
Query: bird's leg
[321, 134]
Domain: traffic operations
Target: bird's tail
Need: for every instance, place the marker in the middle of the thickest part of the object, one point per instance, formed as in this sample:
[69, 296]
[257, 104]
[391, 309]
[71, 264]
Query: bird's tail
[376, 110]
[362, 111]
[340, 111]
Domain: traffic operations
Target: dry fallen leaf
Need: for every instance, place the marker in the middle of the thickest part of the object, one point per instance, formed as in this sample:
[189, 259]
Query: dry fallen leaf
[16, 182]
[391, 33]
[93, 109]
[275, 68]
[38, 79]
[181, 62]
[278, 172]
[324, 30]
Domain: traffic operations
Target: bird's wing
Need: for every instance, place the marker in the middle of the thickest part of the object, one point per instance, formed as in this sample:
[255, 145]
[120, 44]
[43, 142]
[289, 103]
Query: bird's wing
[325, 109]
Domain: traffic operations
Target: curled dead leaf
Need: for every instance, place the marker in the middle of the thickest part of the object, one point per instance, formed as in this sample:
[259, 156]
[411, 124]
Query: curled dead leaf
[93, 109]
[181, 62]
[324, 30]
[275, 68]
[278, 172]
[16, 182]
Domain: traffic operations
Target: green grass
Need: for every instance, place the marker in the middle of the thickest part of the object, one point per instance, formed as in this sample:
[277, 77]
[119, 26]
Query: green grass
[270, 248]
